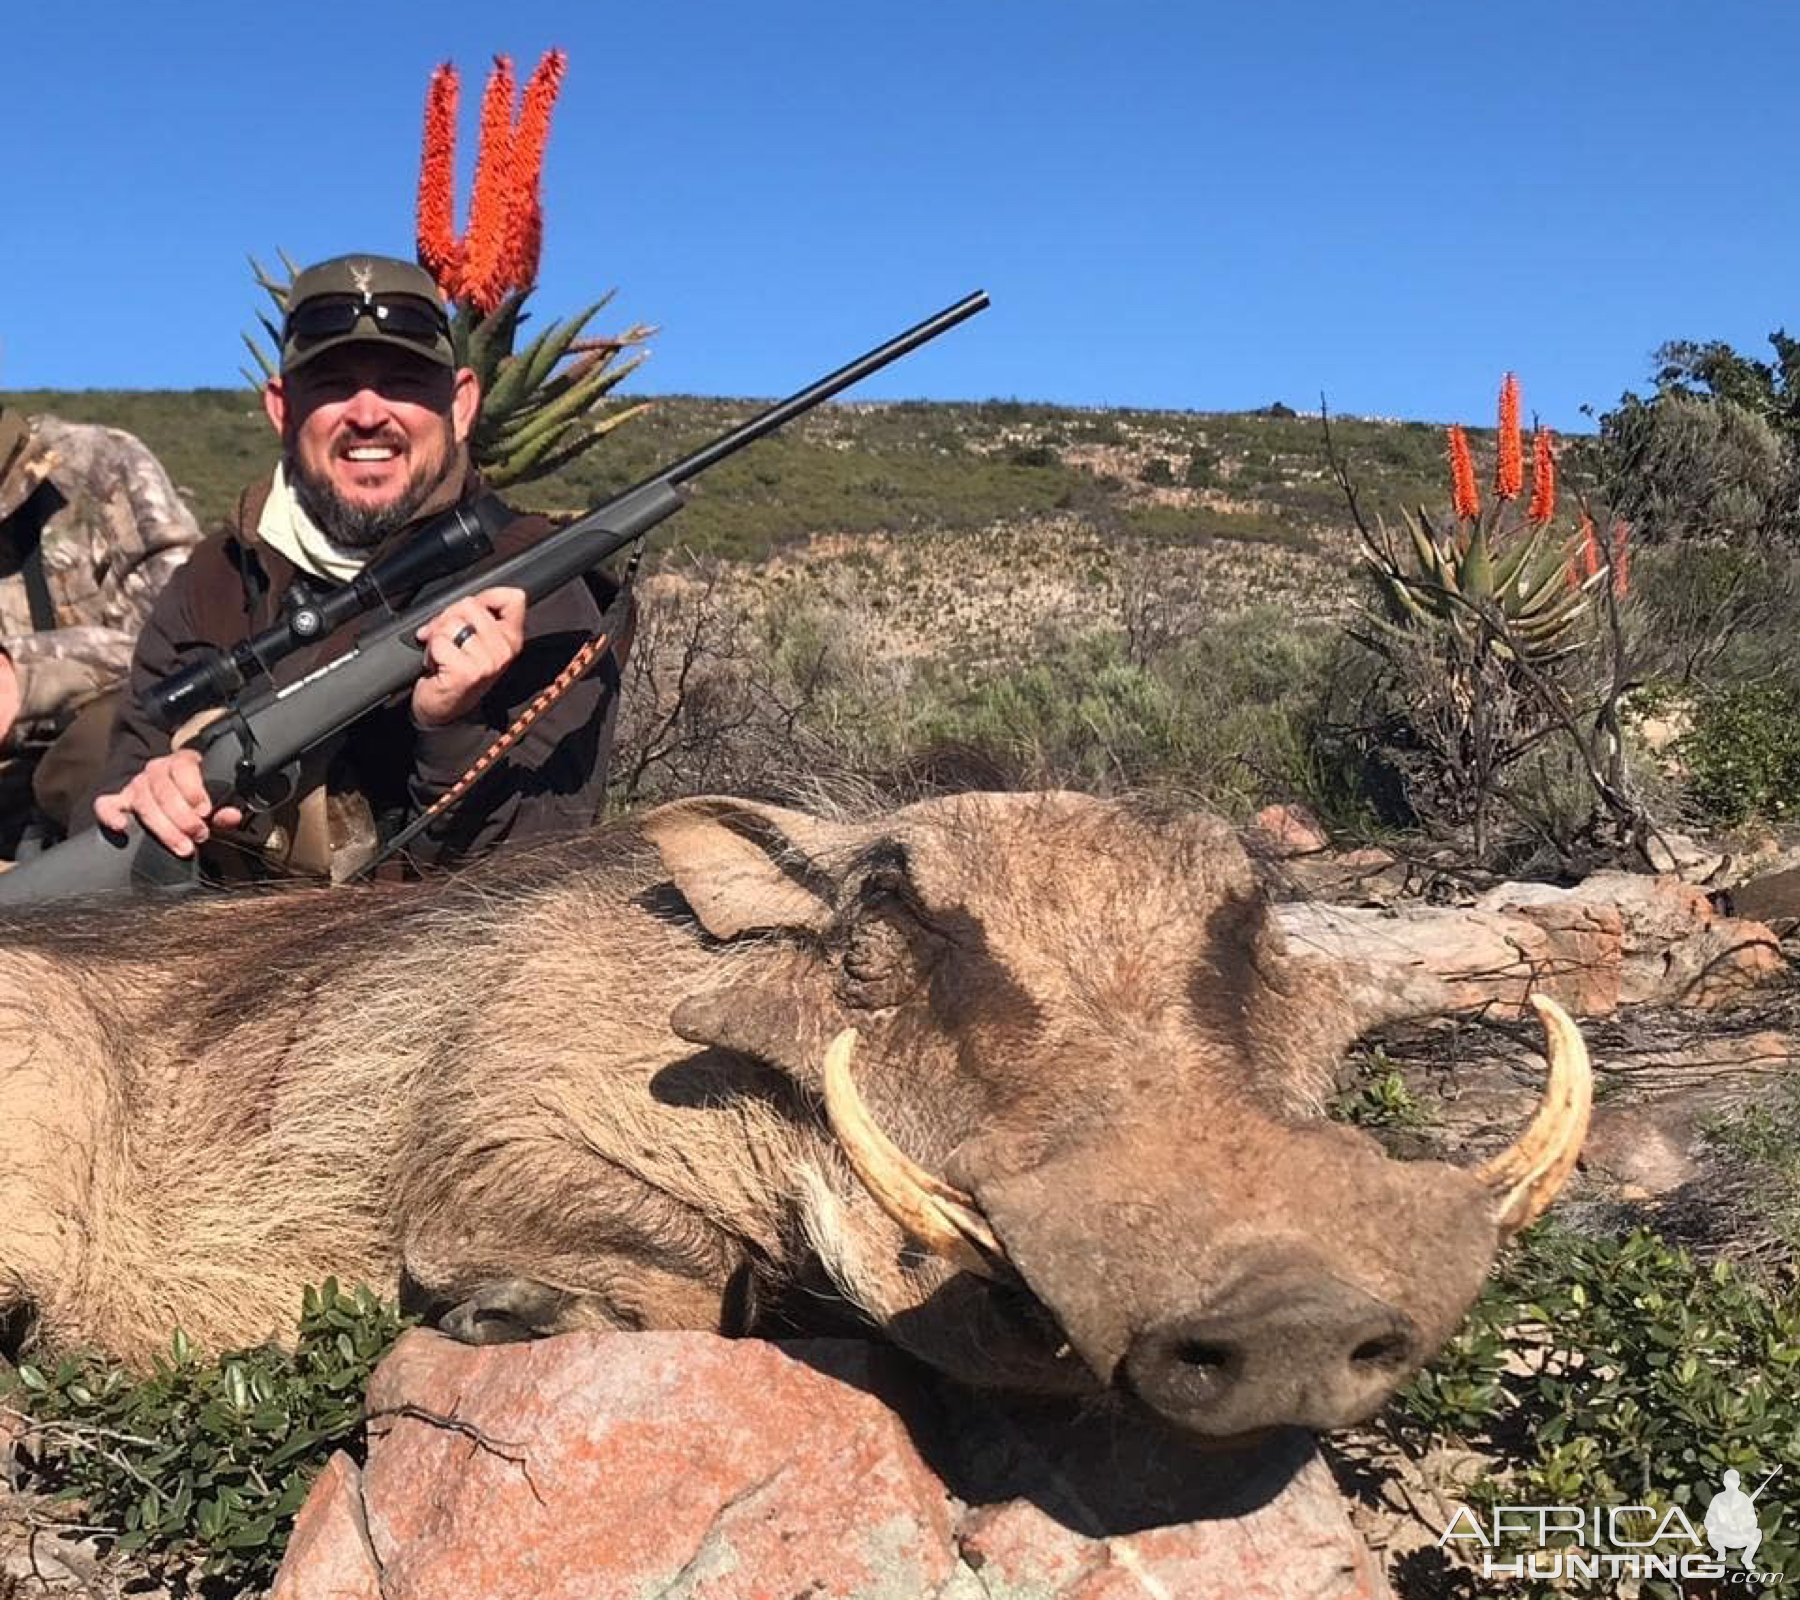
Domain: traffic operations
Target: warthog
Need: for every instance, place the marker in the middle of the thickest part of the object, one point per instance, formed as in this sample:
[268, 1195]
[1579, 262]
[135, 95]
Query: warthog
[611, 1083]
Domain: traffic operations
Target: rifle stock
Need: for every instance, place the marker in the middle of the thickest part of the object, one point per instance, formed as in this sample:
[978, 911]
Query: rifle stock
[264, 729]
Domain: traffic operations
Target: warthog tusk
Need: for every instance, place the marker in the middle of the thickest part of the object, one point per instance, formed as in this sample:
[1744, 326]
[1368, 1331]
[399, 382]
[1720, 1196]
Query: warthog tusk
[1528, 1173]
[932, 1213]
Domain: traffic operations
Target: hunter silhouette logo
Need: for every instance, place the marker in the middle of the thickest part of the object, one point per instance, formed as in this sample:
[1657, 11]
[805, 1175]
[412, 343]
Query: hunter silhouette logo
[1731, 1519]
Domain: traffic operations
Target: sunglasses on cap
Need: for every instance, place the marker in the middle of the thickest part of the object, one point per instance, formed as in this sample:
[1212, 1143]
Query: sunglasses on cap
[331, 316]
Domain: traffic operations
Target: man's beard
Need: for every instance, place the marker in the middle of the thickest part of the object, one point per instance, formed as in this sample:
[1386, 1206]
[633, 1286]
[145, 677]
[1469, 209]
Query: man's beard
[352, 526]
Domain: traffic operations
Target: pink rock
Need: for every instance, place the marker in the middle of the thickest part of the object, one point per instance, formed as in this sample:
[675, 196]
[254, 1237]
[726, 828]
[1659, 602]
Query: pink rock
[1618, 939]
[329, 1556]
[1295, 1544]
[1289, 831]
[1578, 963]
[1675, 949]
[594, 1466]
[696, 1468]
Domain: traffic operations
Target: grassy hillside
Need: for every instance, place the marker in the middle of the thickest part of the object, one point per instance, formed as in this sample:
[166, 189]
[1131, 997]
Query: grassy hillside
[851, 468]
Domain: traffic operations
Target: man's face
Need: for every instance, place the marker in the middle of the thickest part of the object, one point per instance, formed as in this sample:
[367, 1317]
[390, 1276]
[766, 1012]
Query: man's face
[369, 433]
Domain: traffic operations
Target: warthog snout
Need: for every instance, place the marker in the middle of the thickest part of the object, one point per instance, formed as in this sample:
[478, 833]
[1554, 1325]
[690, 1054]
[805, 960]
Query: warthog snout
[1293, 1346]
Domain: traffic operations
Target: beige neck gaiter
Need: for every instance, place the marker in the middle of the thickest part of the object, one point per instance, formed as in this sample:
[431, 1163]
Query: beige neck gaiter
[285, 526]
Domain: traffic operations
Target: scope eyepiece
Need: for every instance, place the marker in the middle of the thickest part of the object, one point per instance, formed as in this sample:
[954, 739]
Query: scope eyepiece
[216, 676]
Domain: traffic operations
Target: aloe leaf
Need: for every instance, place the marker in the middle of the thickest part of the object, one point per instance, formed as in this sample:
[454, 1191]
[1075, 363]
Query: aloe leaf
[582, 443]
[522, 375]
[1475, 574]
[565, 409]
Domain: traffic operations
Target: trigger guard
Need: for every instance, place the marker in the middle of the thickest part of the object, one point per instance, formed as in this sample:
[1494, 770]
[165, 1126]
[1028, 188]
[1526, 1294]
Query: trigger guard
[272, 789]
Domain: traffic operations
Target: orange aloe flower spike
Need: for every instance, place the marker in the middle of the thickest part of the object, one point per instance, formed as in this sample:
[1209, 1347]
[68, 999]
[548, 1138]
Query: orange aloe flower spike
[1584, 553]
[485, 243]
[1543, 479]
[525, 230]
[1590, 546]
[1465, 499]
[1509, 462]
[440, 253]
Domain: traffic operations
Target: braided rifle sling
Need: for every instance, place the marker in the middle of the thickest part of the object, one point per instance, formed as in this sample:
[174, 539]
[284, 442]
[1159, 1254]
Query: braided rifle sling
[579, 665]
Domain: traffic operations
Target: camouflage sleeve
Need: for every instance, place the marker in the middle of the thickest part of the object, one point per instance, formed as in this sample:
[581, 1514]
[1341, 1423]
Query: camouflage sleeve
[136, 739]
[120, 533]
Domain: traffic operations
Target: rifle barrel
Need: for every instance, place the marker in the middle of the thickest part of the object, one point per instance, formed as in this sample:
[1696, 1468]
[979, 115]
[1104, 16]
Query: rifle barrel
[851, 372]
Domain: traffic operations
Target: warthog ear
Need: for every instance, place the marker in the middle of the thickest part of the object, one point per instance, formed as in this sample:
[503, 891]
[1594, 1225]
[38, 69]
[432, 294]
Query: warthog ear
[744, 866]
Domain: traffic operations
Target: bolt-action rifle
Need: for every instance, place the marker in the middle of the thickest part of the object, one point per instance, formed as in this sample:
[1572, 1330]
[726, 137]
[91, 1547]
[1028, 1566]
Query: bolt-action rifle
[263, 731]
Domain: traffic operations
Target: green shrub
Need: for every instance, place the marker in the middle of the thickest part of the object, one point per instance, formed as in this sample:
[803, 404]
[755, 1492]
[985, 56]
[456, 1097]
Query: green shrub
[1080, 714]
[1158, 473]
[1194, 524]
[201, 1465]
[1715, 613]
[1620, 1371]
[1686, 466]
[1225, 714]
[1743, 753]
[1380, 1097]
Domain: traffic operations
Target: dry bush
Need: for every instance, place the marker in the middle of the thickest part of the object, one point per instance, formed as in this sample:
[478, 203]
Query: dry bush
[728, 691]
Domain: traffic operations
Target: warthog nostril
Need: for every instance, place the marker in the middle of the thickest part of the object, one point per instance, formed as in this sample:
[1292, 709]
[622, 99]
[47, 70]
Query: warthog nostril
[1304, 1350]
[1177, 1372]
[1386, 1352]
[1194, 1353]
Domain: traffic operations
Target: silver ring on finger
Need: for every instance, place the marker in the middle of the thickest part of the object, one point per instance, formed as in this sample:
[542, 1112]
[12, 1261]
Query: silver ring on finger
[463, 635]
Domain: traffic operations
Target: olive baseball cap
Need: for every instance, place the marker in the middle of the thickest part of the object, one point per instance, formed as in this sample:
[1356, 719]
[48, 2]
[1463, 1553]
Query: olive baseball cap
[365, 300]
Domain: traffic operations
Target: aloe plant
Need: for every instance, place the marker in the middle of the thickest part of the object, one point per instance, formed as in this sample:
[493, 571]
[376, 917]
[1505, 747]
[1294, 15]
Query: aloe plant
[1505, 649]
[1497, 579]
[1510, 587]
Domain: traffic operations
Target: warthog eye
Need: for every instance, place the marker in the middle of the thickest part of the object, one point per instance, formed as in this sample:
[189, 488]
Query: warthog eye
[877, 949]
[886, 946]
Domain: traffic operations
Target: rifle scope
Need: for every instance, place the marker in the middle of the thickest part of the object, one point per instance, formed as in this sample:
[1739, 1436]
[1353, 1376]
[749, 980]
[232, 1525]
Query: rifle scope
[444, 545]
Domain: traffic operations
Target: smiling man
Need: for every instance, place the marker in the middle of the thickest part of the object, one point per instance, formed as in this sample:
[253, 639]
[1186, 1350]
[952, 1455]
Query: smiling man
[374, 417]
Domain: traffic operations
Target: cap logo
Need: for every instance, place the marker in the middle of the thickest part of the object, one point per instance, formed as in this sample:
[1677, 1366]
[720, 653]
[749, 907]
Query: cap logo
[362, 274]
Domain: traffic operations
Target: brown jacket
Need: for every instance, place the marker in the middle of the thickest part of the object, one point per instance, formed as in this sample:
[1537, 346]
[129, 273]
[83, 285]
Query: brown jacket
[233, 587]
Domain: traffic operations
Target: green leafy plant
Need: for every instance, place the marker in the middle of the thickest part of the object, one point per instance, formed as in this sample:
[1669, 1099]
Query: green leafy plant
[1743, 752]
[201, 1465]
[1621, 1371]
[1380, 1097]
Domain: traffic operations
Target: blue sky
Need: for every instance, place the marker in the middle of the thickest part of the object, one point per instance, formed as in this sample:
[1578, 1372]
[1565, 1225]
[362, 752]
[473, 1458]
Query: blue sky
[1172, 205]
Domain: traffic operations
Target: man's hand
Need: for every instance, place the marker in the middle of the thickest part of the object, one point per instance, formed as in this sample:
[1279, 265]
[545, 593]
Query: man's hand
[12, 697]
[467, 646]
[169, 799]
